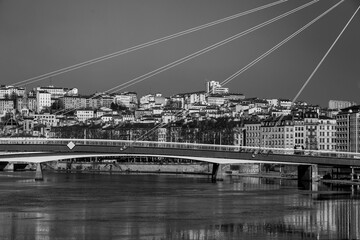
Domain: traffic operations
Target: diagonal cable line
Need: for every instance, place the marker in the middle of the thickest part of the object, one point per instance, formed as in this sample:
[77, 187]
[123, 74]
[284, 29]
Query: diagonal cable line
[193, 55]
[319, 64]
[233, 76]
[204, 50]
[143, 45]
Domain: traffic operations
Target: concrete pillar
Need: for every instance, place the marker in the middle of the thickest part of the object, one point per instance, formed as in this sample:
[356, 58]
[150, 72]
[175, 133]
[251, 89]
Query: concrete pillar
[39, 173]
[217, 173]
[307, 172]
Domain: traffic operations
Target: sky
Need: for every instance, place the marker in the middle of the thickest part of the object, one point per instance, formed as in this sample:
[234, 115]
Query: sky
[40, 36]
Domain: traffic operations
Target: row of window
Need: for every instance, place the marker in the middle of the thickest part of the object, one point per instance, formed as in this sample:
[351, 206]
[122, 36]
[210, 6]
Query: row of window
[328, 140]
[326, 147]
[328, 134]
[327, 127]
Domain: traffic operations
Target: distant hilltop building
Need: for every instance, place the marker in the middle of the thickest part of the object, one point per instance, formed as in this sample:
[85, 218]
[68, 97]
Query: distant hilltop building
[8, 91]
[338, 104]
[57, 92]
[213, 87]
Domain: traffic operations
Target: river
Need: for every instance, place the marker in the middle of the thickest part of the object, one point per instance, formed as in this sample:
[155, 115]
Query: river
[103, 206]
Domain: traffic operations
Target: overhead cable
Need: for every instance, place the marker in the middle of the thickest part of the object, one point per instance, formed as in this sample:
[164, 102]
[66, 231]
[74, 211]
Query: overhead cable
[319, 64]
[204, 50]
[143, 45]
[233, 76]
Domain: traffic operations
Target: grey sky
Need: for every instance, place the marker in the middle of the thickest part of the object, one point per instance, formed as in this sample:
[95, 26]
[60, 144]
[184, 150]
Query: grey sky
[40, 36]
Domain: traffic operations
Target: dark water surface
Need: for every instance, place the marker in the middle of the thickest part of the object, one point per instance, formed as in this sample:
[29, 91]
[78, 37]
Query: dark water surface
[86, 206]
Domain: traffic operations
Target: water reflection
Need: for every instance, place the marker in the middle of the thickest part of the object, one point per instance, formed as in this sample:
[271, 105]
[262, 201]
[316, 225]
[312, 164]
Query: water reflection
[172, 207]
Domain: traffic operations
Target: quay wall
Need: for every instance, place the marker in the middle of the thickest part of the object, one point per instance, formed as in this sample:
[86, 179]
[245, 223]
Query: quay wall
[131, 167]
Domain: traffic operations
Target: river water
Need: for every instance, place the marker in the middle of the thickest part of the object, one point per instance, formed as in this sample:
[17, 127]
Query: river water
[94, 206]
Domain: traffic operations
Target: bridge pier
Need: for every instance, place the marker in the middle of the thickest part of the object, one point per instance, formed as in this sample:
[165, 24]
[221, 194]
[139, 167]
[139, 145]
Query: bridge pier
[217, 173]
[3, 165]
[39, 173]
[308, 173]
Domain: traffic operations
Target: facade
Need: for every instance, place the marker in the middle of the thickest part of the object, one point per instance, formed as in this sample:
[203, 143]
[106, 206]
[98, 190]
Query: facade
[193, 98]
[338, 104]
[57, 92]
[273, 102]
[46, 119]
[43, 100]
[9, 91]
[6, 105]
[217, 100]
[150, 101]
[252, 134]
[84, 114]
[348, 129]
[72, 102]
[327, 134]
[105, 101]
[129, 100]
[299, 133]
[311, 122]
[213, 87]
[285, 103]
[278, 132]
[177, 101]
[31, 103]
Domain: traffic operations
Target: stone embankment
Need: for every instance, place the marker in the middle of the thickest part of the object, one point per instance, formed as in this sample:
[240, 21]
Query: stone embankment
[116, 167]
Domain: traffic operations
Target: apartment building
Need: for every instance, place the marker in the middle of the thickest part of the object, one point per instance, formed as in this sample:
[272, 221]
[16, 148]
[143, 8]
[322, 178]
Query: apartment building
[348, 129]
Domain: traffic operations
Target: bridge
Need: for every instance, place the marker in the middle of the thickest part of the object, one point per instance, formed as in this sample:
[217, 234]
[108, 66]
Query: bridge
[29, 150]
[41, 150]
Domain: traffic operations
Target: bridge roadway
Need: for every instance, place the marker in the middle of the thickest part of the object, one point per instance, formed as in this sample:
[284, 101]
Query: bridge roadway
[39, 150]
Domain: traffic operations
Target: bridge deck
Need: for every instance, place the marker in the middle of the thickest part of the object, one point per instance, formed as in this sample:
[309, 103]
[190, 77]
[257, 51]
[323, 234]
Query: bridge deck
[61, 151]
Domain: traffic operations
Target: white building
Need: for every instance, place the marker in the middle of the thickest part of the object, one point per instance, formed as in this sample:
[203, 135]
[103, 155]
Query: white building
[217, 100]
[43, 100]
[338, 104]
[47, 119]
[327, 134]
[84, 114]
[8, 91]
[273, 102]
[57, 92]
[214, 87]
[285, 103]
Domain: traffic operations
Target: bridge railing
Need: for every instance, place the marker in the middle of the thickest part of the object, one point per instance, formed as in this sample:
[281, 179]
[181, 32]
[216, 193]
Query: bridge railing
[122, 144]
